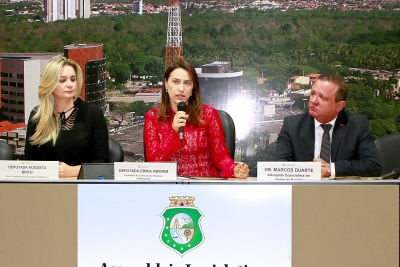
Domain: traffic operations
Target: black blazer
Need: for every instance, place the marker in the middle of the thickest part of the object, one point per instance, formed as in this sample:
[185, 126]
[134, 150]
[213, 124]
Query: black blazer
[86, 142]
[353, 147]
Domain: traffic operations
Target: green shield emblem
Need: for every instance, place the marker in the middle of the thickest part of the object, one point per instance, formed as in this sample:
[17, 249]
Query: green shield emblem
[181, 230]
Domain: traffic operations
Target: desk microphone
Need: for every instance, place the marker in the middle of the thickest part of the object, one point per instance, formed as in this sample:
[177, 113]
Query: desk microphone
[181, 107]
[391, 175]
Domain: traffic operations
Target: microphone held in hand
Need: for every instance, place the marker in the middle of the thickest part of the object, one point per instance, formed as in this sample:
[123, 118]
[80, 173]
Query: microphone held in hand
[181, 107]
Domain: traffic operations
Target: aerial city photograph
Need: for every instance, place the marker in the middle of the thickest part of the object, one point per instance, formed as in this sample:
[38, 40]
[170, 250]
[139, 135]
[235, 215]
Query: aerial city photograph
[256, 60]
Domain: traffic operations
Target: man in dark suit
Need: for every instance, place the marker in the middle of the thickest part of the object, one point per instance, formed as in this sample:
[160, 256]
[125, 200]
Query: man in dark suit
[352, 150]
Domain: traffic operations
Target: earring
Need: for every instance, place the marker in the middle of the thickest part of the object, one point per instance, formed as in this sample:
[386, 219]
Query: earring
[166, 90]
[191, 93]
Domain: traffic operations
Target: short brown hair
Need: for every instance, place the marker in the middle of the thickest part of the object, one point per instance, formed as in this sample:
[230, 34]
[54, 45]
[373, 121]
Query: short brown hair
[341, 92]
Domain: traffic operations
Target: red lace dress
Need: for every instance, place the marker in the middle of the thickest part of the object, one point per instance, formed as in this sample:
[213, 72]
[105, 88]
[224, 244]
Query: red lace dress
[203, 148]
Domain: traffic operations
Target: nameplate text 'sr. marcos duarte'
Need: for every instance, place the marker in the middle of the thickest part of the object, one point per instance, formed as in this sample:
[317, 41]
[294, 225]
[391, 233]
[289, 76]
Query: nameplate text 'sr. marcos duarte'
[288, 171]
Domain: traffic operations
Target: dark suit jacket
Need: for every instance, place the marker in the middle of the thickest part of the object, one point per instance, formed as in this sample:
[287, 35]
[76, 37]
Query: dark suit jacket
[353, 147]
[86, 142]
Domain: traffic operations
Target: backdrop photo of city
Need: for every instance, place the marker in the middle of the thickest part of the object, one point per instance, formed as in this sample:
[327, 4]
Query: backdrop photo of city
[256, 60]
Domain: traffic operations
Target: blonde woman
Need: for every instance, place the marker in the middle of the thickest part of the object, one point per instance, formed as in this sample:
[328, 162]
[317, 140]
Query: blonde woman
[63, 127]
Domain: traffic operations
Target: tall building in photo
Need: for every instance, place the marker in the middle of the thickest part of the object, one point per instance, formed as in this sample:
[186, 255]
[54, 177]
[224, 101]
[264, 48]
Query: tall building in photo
[90, 59]
[70, 9]
[83, 9]
[59, 10]
[137, 7]
[219, 83]
[19, 83]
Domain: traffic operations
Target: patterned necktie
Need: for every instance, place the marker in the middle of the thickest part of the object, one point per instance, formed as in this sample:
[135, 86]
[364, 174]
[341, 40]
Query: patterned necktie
[326, 143]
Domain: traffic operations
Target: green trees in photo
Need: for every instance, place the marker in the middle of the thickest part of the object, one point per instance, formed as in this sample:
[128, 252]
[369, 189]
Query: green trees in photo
[281, 44]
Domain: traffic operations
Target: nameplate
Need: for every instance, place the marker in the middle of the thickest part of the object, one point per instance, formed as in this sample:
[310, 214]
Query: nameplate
[288, 171]
[24, 170]
[145, 170]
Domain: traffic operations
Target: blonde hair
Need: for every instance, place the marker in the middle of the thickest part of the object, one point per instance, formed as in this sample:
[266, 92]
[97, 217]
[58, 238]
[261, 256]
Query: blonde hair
[47, 125]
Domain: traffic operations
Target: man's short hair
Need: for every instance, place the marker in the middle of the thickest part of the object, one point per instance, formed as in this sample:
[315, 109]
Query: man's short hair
[341, 92]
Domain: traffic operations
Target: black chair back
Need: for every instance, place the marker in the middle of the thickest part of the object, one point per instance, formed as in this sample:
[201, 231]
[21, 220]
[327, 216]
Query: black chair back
[389, 151]
[116, 153]
[6, 151]
[229, 131]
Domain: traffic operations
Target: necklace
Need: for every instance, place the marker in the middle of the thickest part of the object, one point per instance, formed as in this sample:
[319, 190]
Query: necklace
[62, 115]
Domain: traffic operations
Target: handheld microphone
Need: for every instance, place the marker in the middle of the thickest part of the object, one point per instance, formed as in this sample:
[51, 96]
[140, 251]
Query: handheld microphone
[181, 107]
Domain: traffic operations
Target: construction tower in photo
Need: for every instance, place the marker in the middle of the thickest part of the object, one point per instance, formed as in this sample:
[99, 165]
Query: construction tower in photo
[174, 47]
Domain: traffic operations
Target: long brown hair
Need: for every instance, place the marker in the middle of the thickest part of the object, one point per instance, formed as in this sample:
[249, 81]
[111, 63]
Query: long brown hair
[195, 106]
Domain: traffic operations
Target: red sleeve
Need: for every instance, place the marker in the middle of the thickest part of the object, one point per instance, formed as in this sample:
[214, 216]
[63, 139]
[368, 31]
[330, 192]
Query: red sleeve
[159, 138]
[218, 151]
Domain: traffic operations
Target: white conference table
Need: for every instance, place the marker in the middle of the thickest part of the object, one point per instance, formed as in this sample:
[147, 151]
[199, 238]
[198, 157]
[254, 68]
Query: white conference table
[340, 222]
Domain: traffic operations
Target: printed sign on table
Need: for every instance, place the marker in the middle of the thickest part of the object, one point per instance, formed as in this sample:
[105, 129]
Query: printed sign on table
[288, 171]
[145, 170]
[21, 170]
[181, 225]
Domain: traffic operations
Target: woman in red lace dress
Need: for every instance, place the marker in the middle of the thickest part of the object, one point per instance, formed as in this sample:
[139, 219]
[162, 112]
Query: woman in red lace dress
[202, 151]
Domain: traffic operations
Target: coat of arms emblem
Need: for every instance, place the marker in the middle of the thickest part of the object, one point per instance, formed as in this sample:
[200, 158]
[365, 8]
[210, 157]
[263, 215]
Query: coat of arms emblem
[181, 230]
